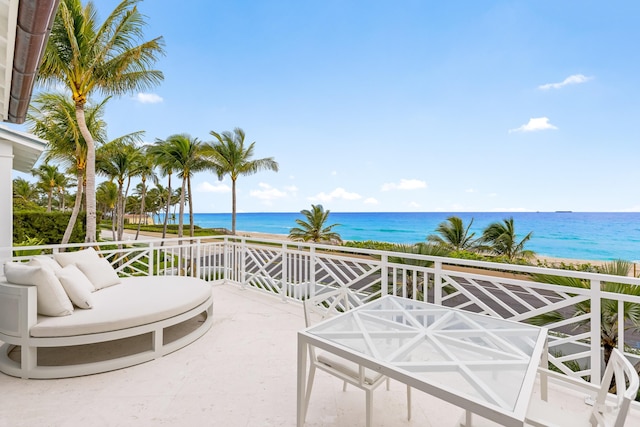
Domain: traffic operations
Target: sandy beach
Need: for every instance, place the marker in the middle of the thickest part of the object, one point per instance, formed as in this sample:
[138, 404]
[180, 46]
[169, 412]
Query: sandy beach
[546, 260]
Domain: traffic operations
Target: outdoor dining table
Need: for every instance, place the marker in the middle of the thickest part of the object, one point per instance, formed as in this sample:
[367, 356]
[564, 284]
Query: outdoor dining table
[484, 365]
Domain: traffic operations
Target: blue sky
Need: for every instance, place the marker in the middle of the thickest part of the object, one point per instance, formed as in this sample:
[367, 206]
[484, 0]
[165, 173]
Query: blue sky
[403, 105]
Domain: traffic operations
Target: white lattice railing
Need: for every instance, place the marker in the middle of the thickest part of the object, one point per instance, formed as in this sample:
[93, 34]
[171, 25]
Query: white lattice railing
[297, 271]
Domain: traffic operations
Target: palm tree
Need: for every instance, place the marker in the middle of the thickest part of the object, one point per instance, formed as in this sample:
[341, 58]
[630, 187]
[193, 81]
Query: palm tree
[185, 155]
[231, 157]
[86, 56]
[502, 240]
[454, 235]
[24, 190]
[118, 160]
[314, 227]
[159, 152]
[52, 117]
[146, 171]
[609, 309]
[49, 178]
[107, 199]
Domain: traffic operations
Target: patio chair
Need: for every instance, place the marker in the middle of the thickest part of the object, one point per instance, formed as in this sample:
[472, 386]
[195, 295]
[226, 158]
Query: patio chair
[607, 411]
[323, 306]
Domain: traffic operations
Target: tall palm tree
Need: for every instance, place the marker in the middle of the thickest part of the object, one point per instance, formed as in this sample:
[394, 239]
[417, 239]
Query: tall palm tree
[49, 178]
[86, 56]
[454, 235]
[502, 240]
[118, 160]
[230, 157]
[313, 228]
[52, 117]
[187, 158]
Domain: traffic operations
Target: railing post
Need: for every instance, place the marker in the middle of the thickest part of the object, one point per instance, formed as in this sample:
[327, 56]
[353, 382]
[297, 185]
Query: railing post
[198, 258]
[621, 325]
[384, 272]
[596, 331]
[312, 271]
[437, 283]
[226, 261]
[284, 289]
[151, 264]
[243, 254]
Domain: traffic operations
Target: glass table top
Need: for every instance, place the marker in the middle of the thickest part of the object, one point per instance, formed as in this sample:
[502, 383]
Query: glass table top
[480, 356]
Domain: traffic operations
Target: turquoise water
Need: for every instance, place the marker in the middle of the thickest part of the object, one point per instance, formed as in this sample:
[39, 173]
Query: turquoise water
[575, 235]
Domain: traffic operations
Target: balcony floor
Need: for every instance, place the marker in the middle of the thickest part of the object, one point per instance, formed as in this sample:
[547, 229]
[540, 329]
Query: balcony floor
[240, 373]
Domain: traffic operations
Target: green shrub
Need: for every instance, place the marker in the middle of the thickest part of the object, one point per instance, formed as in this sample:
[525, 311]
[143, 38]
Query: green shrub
[47, 227]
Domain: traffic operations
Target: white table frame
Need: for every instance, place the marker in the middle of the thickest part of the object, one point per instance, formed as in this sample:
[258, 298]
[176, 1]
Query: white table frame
[469, 403]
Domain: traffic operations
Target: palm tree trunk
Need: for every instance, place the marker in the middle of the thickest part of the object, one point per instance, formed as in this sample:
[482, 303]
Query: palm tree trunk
[50, 199]
[181, 218]
[233, 207]
[166, 211]
[192, 226]
[120, 211]
[90, 191]
[76, 209]
[142, 211]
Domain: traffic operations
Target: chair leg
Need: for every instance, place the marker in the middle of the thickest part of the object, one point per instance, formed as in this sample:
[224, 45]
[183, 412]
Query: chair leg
[408, 403]
[344, 386]
[369, 408]
[388, 383]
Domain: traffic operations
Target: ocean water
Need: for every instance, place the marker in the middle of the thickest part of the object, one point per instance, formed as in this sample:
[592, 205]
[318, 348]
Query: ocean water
[574, 235]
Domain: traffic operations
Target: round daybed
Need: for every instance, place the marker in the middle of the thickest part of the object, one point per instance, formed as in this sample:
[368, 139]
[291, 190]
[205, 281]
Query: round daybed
[136, 320]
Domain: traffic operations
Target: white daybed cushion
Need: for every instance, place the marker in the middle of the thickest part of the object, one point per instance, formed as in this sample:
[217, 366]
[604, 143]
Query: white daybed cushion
[136, 301]
[66, 258]
[99, 272]
[77, 286]
[52, 299]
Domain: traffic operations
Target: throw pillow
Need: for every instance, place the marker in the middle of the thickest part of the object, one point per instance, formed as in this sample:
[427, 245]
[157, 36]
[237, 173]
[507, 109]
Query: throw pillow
[77, 286]
[99, 272]
[45, 261]
[85, 255]
[52, 299]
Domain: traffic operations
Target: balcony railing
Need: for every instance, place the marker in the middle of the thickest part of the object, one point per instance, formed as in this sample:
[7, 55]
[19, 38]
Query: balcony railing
[294, 271]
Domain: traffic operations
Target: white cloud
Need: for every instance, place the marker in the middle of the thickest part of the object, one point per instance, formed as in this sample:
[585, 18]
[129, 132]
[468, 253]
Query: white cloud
[470, 190]
[291, 189]
[571, 80]
[207, 187]
[404, 184]
[338, 193]
[370, 201]
[414, 205]
[267, 192]
[540, 123]
[334, 173]
[148, 98]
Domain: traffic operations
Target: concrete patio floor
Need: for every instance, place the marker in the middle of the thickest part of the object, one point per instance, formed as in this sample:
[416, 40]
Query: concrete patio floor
[240, 373]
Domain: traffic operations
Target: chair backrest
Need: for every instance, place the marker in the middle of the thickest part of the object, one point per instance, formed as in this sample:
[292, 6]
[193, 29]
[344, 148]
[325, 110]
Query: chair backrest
[626, 384]
[327, 303]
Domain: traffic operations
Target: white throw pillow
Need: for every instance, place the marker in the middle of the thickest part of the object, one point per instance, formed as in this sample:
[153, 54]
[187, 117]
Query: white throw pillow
[77, 286]
[85, 255]
[99, 272]
[45, 261]
[52, 299]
